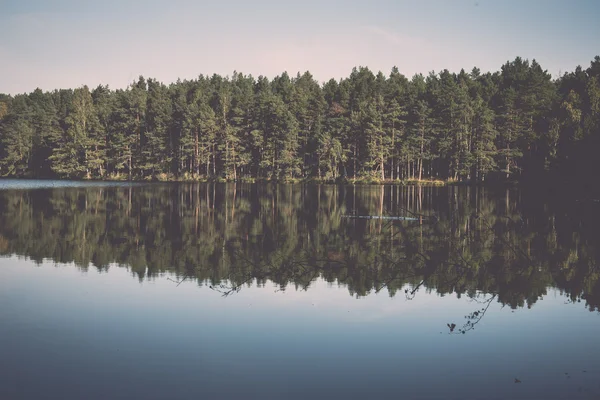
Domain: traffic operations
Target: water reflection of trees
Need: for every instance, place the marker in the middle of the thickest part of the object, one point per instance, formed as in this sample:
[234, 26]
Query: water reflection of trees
[508, 246]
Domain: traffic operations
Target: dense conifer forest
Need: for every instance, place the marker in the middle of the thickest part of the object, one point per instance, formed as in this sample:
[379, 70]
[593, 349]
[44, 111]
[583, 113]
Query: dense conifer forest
[515, 124]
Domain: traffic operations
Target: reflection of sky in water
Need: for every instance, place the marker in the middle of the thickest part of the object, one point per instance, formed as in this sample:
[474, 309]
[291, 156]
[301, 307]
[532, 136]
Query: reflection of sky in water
[71, 334]
[6, 184]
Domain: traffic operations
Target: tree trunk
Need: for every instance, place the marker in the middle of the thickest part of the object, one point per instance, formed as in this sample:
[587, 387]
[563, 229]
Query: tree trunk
[100, 166]
[319, 166]
[208, 165]
[422, 147]
[129, 163]
[354, 166]
[507, 161]
[393, 152]
[214, 157]
[196, 152]
[234, 165]
[226, 157]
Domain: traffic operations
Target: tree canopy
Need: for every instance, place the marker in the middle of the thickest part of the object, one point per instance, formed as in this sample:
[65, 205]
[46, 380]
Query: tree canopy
[516, 123]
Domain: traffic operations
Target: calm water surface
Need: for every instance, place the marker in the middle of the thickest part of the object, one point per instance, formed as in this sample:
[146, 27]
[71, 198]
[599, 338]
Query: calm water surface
[281, 291]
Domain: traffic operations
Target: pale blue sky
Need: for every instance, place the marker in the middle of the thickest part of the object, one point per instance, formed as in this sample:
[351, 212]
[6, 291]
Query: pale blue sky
[68, 43]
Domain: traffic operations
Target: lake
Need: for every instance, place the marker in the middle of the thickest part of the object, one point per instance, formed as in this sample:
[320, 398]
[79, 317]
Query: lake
[209, 291]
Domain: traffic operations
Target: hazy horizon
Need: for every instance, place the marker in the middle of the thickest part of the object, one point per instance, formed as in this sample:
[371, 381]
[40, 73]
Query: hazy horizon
[66, 44]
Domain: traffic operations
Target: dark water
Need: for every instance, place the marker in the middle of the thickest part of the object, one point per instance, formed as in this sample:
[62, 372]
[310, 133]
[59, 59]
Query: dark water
[272, 292]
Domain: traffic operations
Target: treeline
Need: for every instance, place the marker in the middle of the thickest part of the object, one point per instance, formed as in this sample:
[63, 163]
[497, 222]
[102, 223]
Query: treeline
[229, 236]
[475, 126]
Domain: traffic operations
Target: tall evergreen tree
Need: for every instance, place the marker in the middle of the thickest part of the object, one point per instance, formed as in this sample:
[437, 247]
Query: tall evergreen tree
[17, 136]
[79, 151]
[156, 151]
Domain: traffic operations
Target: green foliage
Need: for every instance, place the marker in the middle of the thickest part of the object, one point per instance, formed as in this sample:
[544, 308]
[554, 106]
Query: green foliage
[467, 127]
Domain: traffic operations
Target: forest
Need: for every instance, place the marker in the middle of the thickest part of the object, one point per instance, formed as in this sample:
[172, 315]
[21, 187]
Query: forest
[516, 124]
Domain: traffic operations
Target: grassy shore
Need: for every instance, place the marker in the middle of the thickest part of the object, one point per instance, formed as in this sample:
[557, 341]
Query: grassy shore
[347, 181]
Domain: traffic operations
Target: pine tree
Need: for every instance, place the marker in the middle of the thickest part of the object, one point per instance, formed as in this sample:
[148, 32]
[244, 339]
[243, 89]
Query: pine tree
[156, 152]
[483, 154]
[16, 138]
[378, 142]
[241, 121]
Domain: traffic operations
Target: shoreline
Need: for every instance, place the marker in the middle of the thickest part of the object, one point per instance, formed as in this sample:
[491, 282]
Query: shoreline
[317, 181]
